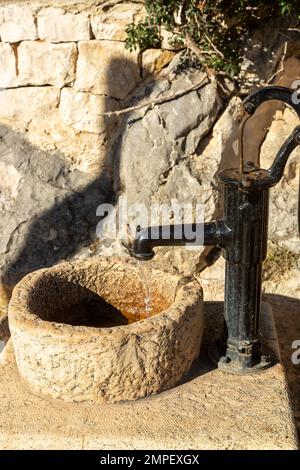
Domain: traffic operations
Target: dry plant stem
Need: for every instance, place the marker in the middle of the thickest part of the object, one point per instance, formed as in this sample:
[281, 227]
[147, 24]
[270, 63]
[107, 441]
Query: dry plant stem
[281, 69]
[214, 47]
[192, 45]
[156, 101]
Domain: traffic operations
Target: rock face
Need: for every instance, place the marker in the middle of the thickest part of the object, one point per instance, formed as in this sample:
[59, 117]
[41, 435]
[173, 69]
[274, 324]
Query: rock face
[62, 69]
[284, 196]
[181, 164]
[106, 68]
[46, 206]
[155, 59]
[165, 135]
[100, 364]
[262, 53]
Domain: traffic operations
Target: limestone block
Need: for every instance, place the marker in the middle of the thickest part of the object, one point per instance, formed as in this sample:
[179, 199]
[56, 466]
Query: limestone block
[112, 24]
[25, 103]
[8, 76]
[127, 354]
[106, 68]
[55, 25]
[155, 59]
[16, 23]
[82, 111]
[42, 63]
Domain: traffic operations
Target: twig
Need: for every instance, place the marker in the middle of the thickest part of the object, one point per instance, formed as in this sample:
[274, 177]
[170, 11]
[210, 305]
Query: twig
[157, 101]
[214, 47]
[192, 45]
[281, 69]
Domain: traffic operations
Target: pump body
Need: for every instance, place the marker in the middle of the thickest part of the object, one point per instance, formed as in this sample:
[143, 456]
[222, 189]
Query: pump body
[243, 236]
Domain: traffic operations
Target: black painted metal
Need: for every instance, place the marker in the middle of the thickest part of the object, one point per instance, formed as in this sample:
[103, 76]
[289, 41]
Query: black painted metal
[212, 233]
[288, 96]
[243, 235]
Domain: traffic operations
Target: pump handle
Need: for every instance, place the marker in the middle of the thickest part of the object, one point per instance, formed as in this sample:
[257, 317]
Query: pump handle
[291, 98]
[278, 93]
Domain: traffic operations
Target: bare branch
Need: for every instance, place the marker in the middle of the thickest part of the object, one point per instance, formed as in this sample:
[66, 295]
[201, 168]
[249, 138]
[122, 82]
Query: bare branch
[204, 80]
[193, 46]
[281, 69]
[214, 47]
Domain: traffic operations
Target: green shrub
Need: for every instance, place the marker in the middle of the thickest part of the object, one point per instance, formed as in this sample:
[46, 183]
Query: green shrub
[217, 27]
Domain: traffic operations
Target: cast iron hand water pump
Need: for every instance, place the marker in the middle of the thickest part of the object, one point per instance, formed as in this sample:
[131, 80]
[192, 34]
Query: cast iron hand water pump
[242, 234]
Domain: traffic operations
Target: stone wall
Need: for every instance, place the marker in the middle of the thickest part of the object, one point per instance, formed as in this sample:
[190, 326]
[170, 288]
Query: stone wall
[62, 68]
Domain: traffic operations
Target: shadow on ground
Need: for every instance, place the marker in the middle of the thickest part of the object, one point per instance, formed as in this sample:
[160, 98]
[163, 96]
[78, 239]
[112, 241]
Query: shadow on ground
[286, 312]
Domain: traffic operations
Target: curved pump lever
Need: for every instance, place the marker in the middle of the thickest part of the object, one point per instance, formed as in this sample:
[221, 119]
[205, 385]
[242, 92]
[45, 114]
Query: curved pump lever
[277, 93]
[288, 96]
[277, 168]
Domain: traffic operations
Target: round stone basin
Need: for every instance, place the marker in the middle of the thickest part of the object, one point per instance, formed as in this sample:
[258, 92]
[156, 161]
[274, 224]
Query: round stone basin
[82, 332]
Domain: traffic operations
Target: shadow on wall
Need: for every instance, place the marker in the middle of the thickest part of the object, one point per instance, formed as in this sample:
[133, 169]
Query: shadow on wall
[54, 213]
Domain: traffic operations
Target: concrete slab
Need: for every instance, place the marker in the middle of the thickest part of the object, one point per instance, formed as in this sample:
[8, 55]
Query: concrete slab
[211, 410]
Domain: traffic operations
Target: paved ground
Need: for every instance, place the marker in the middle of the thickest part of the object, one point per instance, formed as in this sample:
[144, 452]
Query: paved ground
[286, 312]
[209, 410]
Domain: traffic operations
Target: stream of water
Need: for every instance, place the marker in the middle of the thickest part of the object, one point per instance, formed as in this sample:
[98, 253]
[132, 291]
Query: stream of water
[144, 267]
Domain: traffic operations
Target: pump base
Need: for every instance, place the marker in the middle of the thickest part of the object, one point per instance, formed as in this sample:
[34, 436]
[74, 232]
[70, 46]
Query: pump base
[217, 354]
[226, 365]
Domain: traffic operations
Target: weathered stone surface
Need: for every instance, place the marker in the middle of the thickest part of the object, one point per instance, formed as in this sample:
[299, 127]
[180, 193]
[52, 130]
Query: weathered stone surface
[155, 59]
[41, 63]
[112, 24]
[9, 180]
[106, 68]
[168, 41]
[86, 151]
[56, 25]
[262, 52]
[192, 421]
[82, 110]
[16, 23]
[8, 68]
[161, 135]
[47, 207]
[105, 363]
[163, 144]
[23, 104]
[4, 299]
[283, 222]
[219, 153]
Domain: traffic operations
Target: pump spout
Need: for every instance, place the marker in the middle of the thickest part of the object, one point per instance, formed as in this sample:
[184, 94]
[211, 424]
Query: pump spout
[211, 233]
